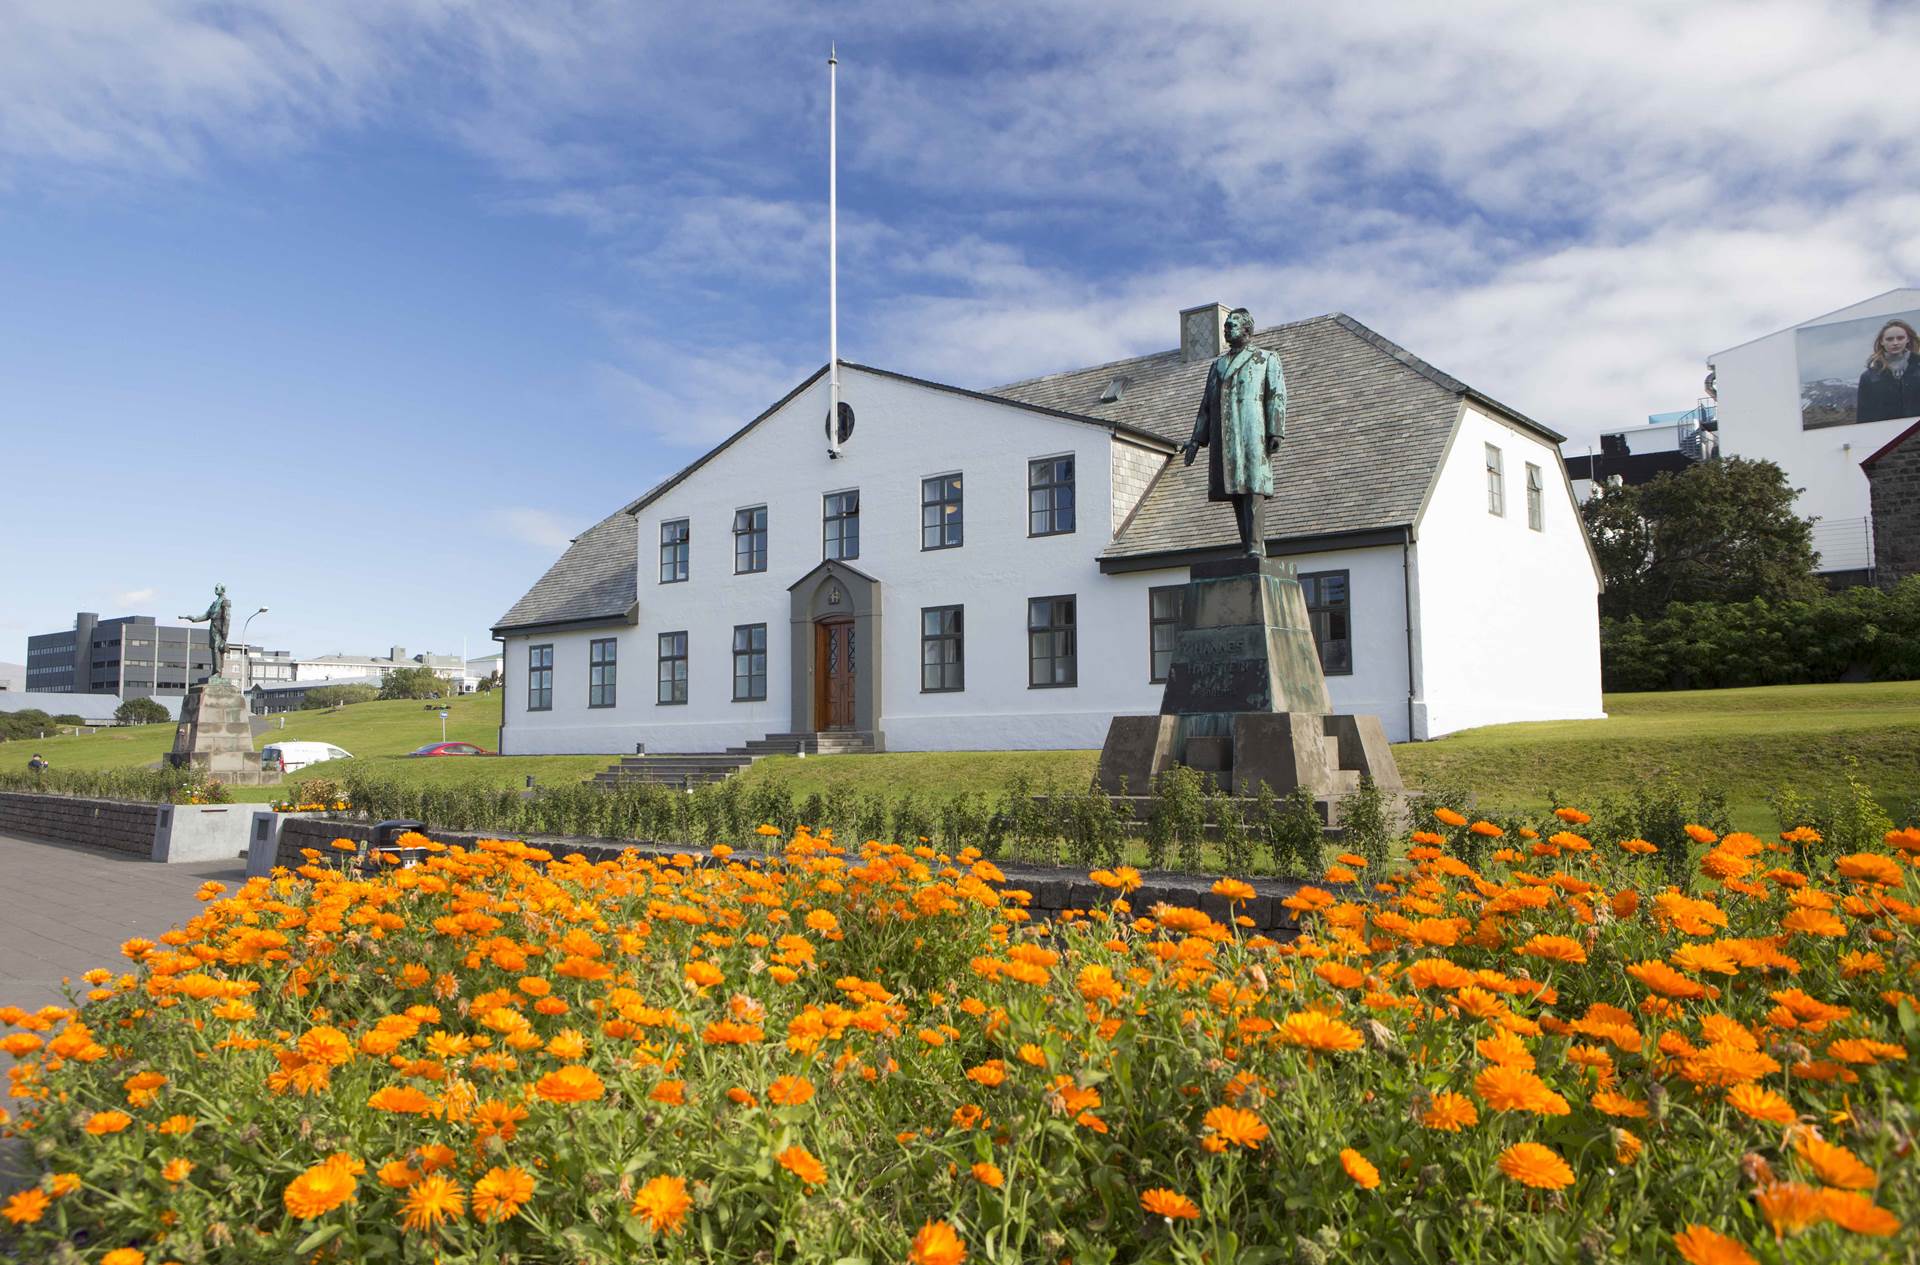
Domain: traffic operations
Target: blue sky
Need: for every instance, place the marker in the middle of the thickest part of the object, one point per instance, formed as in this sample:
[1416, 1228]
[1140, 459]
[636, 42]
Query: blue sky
[435, 284]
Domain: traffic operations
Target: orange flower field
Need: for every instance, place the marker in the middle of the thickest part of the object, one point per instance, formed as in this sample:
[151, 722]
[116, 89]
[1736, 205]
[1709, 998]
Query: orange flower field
[873, 1054]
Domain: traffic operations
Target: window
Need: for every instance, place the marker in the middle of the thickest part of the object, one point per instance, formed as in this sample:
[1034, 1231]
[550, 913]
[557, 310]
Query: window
[1496, 483]
[943, 656]
[749, 663]
[1050, 496]
[676, 543]
[1052, 656]
[940, 517]
[1536, 499]
[842, 525]
[750, 540]
[673, 667]
[1330, 611]
[539, 678]
[1163, 619]
[602, 667]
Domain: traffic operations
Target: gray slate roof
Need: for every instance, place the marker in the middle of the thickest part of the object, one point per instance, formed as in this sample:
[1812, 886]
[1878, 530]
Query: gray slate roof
[1367, 427]
[594, 579]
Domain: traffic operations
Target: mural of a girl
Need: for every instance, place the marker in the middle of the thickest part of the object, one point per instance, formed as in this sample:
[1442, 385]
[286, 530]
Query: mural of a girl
[1891, 385]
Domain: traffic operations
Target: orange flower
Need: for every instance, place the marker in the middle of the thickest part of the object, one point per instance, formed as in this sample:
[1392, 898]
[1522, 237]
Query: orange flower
[323, 1187]
[727, 1032]
[1170, 1204]
[672, 1093]
[662, 1203]
[1236, 891]
[1554, 949]
[1835, 1165]
[1532, 1164]
[1449, 1112]
[1613, 1104]
[26, 1206]
[1448, 816]
[402, 1099]
[1314, 1031]
[124, 1256]
[1790, 1207]
[570, 1084]
[789, 1091]
[104, 1122]
[803, 1164]
[1236, 1126]
[1517, 1089]
[1701, 1246]
[430, 1201]
[1760, 1103]
[989, 1175]
[1664, 980]
[937, 1244]
[175, 1170]
[1854, 1211]
[1360, 1169]
[1870, 867]
[501, 1193]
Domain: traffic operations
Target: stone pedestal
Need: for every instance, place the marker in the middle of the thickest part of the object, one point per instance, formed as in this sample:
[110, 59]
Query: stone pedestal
[216, 735]
[1246, 700]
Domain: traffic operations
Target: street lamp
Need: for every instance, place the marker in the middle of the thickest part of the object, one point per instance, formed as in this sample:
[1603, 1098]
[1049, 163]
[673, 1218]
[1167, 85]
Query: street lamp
[246, 647]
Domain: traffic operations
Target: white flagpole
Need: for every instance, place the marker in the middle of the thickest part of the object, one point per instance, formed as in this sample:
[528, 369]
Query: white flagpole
[833, 255]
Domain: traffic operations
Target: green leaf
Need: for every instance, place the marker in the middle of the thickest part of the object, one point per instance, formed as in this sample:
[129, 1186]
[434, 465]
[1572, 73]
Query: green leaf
[325, 1234]
[1909, 1021]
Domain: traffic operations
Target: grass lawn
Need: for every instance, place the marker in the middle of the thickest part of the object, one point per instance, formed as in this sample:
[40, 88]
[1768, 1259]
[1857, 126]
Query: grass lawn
[1747, 741]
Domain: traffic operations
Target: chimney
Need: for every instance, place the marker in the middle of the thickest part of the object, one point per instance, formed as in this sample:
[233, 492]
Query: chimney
[397, 653]
[1203, 332]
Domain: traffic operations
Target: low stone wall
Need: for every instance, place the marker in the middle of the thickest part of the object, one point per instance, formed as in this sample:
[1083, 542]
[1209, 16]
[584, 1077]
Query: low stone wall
[100, 823]
[1053, 888]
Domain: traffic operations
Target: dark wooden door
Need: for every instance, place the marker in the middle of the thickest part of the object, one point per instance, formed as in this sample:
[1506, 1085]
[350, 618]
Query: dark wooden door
[833, 674]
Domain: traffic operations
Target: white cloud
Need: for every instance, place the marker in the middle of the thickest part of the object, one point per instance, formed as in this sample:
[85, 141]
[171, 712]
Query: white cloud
[134, 597]
[538, 527]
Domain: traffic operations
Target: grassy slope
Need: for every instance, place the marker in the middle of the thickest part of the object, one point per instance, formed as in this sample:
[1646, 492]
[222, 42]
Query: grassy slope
[1749, 741]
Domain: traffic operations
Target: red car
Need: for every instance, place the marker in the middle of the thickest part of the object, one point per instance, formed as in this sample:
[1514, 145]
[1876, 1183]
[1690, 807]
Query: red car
[452, 748]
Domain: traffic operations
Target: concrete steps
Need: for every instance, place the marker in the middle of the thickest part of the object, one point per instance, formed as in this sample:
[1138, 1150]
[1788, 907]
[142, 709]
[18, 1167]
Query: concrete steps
[685, 771]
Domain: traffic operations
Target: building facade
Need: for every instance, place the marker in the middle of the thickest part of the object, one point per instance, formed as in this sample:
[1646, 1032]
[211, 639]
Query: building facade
[1667, 444]
[1893, 478]
[1002, 570]
[1777, 403]
[132, 656]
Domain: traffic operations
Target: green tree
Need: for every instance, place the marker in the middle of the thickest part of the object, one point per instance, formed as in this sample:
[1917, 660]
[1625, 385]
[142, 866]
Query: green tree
[416, 682]
[339, 695]
[1723, 530]
[141, 711]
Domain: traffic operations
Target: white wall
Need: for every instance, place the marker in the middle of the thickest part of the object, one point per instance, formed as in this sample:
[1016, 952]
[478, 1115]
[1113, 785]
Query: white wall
[904, 433]
[1759, 388]
[1507, 618]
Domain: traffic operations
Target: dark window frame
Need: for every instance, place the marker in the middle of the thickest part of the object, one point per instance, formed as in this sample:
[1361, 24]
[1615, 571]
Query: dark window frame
[948, 490]
[1536, 498]
[1157, 621]
[666, 681]
[941, 637]
[603, 671]
[847, 520]
[1321, 614]
[1053, 628]
[1043, 481]
[676, 551]
[750, 541]
[540, 677]
[749, 653]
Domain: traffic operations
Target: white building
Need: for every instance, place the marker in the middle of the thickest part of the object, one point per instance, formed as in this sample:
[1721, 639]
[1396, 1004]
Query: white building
[1667, 444]
[991, 571]
[1763, 413]
[352, 668]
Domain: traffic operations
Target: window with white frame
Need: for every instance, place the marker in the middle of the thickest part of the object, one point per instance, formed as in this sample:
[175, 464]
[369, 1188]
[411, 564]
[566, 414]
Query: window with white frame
[1496, 483]
[1536, 499]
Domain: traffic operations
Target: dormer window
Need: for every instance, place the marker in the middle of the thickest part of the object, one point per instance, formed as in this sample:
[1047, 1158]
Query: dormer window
[1116, 388]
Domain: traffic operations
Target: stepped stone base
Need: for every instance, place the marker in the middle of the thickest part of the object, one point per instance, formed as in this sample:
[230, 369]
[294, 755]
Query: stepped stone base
[215, 735]
[1246, 701]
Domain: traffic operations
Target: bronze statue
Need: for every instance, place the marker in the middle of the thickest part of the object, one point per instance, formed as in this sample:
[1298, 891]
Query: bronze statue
[218, 618]
[1242, 419]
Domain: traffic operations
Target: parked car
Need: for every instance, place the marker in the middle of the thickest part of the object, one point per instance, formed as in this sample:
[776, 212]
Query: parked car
[286, 757]
[452, 748]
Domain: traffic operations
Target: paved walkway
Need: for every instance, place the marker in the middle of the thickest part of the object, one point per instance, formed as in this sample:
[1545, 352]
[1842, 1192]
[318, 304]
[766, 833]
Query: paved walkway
[66, 909]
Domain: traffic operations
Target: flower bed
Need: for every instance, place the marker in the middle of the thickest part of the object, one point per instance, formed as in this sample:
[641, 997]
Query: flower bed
[500, 1055]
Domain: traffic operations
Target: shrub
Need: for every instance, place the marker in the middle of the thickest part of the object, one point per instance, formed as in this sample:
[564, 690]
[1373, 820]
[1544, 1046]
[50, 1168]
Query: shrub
[321, 696]
[142, 711]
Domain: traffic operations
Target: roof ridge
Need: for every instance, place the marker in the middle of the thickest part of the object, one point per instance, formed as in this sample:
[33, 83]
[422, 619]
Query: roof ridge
[1152, 355]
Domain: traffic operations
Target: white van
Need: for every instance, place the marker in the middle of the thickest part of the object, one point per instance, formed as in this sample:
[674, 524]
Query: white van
[285, 757]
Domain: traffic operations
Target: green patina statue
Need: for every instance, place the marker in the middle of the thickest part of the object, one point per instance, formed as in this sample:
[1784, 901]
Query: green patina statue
[218, 618]
[1242, 419]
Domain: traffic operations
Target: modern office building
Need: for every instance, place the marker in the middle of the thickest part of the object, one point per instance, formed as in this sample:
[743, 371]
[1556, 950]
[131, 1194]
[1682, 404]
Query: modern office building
[133, 656]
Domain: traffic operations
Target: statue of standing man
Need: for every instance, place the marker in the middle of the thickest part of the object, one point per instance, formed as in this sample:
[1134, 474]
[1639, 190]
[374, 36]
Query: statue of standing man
[218, 618]
[1242, 419]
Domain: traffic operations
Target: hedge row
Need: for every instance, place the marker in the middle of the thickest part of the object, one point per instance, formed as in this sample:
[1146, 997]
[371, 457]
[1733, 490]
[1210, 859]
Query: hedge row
[1854, 634]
